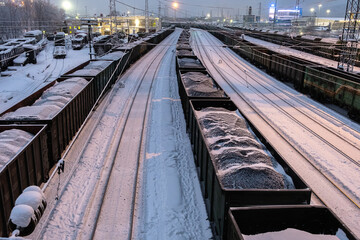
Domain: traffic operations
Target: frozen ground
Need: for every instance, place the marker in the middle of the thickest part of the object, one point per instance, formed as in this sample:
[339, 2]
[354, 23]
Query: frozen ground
[29, 78]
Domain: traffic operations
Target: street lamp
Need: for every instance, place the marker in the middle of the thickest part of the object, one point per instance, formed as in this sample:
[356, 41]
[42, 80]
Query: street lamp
[66, 5]
[312, 10]
[320, 5]
[175, 6]
[328, 12]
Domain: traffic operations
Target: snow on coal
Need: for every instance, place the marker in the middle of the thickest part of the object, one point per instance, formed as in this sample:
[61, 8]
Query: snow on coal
[189, 63]
[184, 52]
[11, 142]
[50, 102]
[199, 84]
[241, 160]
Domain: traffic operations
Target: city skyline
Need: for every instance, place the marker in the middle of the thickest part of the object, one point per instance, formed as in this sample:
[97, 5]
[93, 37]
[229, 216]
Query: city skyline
[186, 8]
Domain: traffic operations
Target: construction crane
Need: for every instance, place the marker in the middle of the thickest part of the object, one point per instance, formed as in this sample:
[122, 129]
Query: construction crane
[349, 37]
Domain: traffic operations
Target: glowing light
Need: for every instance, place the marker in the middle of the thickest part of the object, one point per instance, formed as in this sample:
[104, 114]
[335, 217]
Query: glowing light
[137, 22]
[328, 11]
[312, 9]
[208, 15]
[66, 5]
[231, 21]
[175, 5]
[320, 5]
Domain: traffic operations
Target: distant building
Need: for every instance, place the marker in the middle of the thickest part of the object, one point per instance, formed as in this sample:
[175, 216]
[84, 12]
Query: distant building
[126, 24]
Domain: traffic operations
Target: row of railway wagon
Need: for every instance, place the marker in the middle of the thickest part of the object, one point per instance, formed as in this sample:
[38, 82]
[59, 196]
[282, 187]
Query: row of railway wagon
[250, 191]
[330, 48]
[325, 84]
[32, 41]
[35, 132]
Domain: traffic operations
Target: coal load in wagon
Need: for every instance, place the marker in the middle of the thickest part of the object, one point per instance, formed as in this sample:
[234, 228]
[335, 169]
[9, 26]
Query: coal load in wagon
[183, 46]
[184, 52]
[50, 102]
[198, 84]
[242, 162]
[189, 63]
[11, 142]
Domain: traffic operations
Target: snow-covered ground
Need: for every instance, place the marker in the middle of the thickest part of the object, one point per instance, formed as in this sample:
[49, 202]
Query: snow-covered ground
[169, 203]
[27, 79]
[290, 114]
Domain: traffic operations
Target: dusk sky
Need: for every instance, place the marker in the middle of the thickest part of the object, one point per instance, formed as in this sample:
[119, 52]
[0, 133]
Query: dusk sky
[200, 7]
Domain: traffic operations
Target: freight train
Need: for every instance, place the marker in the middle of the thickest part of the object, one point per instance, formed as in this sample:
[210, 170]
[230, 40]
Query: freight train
[325, 84]
[222, 139]
[50, 131]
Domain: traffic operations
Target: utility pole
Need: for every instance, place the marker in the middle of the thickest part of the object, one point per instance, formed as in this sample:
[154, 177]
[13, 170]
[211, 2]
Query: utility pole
[146, 16]
[259, 11]
[112, 14]
[349, 37]
[275, 14]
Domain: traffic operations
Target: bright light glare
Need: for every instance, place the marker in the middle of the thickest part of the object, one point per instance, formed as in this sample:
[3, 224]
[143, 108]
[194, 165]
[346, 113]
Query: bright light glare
[328, 11]
[137, 22]
[312, 9]
[66, 5]
[175, 5]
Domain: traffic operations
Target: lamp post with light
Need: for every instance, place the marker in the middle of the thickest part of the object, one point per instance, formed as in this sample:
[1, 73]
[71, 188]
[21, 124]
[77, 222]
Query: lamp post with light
[328, 12]
[320, 5]
[175, 6]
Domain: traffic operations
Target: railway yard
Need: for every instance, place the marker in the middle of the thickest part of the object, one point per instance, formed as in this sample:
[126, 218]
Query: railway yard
[197, 133]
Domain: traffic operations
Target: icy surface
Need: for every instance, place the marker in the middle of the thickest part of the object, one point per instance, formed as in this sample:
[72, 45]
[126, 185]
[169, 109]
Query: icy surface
[241, 161]
[198, 84]
[21, 215]
[11, 142]
[293, 234]
[50, 102]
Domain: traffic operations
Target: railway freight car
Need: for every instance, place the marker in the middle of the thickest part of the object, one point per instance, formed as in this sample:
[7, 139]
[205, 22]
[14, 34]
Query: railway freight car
[282, 222]
[62, 105]
[23, 162]
[217, 154]
[335, 86]
[322, 83]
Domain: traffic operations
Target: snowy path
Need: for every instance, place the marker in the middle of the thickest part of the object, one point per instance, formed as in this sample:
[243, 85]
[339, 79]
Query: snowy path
[296, 53]
[97, 190]
[330, 141]
[29, 78]
[172, 205]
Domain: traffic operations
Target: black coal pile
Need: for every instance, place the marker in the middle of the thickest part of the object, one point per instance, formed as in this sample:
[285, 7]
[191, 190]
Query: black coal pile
[199, 84]
[183, 46]
[190, 63]
[241, 160]
[184, 52]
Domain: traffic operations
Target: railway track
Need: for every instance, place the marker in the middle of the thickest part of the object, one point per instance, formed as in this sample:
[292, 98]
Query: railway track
[239, 83]
[348, 148]
[111, 152]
